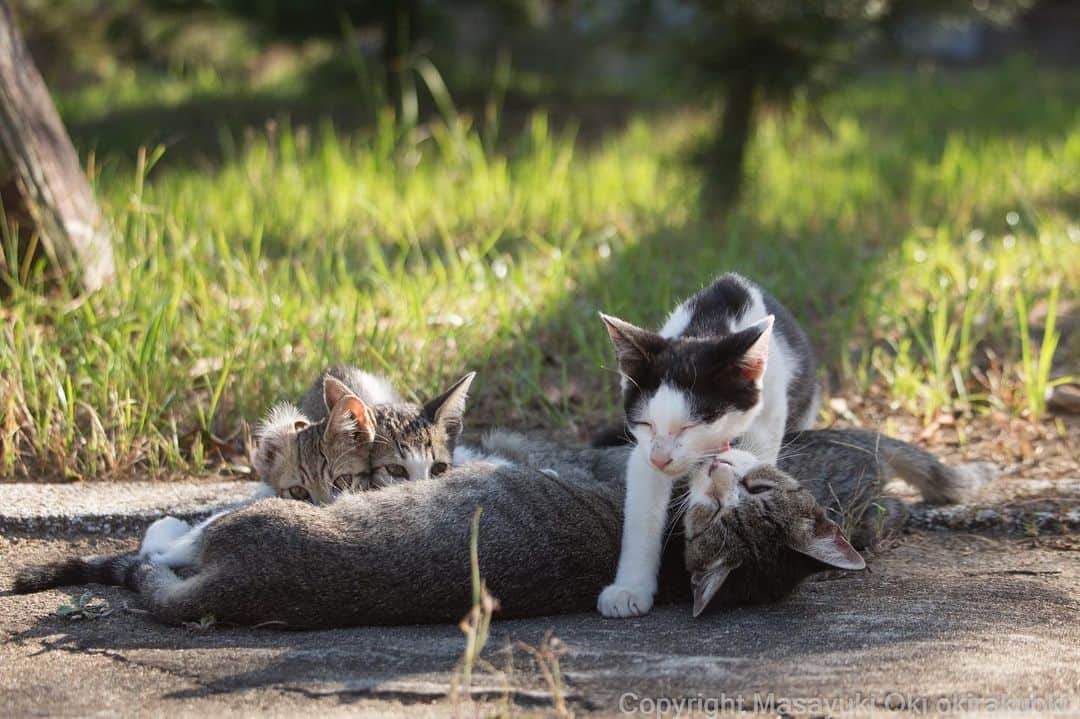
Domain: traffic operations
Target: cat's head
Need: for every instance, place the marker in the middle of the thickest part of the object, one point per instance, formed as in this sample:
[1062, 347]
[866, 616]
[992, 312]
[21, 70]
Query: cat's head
[687, 397]
[317, 461]
[416, 441]
[753, 533]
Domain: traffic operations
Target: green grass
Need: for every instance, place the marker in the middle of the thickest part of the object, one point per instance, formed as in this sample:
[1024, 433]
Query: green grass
[900, 224]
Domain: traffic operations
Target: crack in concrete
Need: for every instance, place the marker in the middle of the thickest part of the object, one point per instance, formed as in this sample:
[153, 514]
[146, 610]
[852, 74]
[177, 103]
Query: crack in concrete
[426, 692]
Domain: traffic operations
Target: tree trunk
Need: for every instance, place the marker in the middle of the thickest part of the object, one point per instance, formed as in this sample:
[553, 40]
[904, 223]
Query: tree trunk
[727, 154]
[400, 31]
[39, 168]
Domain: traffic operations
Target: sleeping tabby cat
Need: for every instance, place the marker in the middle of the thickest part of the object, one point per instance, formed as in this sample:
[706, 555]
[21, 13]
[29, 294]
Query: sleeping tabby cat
[548, 542]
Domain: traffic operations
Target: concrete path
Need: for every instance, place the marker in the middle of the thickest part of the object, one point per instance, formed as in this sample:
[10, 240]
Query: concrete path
[945, 623]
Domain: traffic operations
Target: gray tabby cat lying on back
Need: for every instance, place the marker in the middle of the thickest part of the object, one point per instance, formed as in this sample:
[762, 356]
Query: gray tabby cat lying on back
[548, 542]
[351, 433]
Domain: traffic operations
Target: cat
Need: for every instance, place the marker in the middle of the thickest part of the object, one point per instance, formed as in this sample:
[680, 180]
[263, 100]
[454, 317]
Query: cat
[729, 363]
[351, 433]
[395, 440]
[547, 544]
[753, 533]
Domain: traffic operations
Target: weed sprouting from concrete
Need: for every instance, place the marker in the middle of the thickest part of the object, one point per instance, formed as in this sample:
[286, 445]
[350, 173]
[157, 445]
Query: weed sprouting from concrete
[84, 606]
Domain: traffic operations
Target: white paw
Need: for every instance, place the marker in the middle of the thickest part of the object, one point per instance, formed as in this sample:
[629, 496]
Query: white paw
[161, 534]
[740, 460]
[620, 601]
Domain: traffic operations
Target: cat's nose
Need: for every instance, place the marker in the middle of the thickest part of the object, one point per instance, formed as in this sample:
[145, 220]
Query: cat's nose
[660, 460]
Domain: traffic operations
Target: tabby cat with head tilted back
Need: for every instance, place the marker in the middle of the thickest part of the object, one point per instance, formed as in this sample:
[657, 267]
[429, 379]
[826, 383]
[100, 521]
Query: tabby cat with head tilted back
[753, 532]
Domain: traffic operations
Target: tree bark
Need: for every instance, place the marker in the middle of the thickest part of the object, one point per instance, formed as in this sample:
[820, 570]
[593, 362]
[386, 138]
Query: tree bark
[400, 31]
[39, 168]
[727, 155]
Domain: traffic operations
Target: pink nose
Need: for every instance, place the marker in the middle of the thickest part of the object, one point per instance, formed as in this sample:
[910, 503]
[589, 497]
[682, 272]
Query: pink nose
[660, 461]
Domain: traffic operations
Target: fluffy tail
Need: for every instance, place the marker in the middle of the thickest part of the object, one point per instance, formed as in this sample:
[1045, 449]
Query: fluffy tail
[115, 570]
[938, 483]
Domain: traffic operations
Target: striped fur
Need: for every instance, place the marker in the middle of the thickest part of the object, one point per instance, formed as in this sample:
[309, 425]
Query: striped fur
[548, 541]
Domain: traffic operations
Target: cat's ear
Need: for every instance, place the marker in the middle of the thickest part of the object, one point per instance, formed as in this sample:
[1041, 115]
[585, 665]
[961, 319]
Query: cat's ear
[349, 418]
[826, 543]
[634, 346]
[333, 391]
[448, 409]
[707, 583]
[757, 338]
[274, 434]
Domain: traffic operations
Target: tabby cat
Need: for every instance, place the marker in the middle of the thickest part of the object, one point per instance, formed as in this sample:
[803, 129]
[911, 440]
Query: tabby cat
[353, 433]
[547, 542]
[753, 532]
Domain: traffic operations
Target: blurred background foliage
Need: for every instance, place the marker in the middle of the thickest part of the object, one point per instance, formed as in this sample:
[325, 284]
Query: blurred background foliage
[740, 53]
[424, 187]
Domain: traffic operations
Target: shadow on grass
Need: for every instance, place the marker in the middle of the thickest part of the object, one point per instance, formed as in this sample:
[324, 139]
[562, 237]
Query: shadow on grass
[562, 360]
[1015, 99]
[201, 130]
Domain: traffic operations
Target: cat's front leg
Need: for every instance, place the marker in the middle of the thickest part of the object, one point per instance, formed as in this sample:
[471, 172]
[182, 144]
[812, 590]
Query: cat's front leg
[648, 492]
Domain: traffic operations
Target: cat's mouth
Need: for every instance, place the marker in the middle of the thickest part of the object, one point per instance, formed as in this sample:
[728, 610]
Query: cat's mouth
[717, 463]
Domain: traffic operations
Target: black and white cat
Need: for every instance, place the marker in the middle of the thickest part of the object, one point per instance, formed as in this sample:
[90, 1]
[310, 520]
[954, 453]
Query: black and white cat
[730, 363]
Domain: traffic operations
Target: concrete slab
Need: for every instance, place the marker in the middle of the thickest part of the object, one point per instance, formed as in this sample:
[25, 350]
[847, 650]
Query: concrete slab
[942, 624]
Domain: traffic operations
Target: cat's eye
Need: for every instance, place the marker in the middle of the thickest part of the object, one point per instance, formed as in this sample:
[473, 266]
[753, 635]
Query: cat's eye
[299, 492]
[396, 471]
[438, 468]
[757, 488]
[644, 425]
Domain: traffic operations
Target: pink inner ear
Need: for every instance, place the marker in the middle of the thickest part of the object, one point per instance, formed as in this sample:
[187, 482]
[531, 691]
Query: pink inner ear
[752, 370]
[827, 529]
[355, 407]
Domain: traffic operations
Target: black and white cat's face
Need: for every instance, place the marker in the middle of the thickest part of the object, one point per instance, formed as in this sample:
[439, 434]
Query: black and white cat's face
[686, 398]
[753, 533]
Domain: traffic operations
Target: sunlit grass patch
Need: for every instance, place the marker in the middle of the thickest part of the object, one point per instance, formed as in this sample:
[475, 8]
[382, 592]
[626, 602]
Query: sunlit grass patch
[421, 251]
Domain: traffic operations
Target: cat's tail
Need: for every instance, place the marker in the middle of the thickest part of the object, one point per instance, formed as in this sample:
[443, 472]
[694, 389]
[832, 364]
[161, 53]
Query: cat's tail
[939, 483]
[105, 569]
[167, 596]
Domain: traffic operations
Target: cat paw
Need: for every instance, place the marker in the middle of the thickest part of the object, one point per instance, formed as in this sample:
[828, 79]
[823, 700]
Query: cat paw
[740, 461]
[619, 601]
[161, 534]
